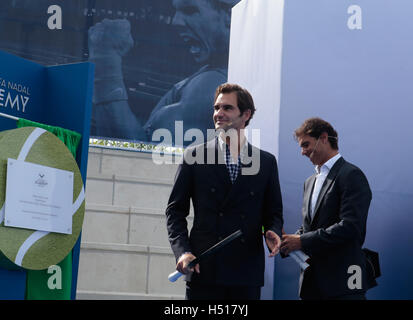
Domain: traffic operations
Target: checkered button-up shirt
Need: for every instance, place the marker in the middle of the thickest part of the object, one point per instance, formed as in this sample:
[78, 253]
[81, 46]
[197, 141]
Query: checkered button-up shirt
[232, 166]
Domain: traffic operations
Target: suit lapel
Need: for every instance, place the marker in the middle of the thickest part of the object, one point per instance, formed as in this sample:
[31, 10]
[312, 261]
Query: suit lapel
[242, 179]
[241, 182]
[326, 186]
[218, 167]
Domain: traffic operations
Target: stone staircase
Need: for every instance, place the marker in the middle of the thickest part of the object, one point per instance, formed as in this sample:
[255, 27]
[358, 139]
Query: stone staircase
[125, 253]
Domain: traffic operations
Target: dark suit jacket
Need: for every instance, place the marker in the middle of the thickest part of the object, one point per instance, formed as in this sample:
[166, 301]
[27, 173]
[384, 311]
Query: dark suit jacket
[334, 237]
[221, 208]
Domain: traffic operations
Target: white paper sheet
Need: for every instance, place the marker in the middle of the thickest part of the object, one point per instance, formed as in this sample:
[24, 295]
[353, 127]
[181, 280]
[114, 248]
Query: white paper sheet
[38, 197]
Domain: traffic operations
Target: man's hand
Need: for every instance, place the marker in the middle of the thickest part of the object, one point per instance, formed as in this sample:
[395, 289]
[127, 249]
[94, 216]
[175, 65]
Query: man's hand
[290, 242]
[273, 242]
[184, 260]
[110, 37]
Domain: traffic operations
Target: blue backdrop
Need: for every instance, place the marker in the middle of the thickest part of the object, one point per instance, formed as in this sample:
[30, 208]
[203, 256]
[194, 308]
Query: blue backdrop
[360, 80]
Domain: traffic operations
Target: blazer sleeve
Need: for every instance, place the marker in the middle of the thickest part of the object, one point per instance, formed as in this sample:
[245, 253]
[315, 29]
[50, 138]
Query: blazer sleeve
[300, 231]
[355, 201]
[178, 209]
[273, 208]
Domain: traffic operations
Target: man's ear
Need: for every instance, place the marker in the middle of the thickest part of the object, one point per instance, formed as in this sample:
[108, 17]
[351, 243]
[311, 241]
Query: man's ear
[247, 114]
[324, 137]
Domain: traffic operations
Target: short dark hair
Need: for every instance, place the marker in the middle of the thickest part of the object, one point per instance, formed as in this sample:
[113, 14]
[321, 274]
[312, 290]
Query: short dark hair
[244, 98]
[314, 127]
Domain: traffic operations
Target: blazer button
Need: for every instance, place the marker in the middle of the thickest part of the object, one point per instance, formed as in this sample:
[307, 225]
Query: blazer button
[243, 216]
[221, 214]
[242, 240]
[212, 189]
[252, 193]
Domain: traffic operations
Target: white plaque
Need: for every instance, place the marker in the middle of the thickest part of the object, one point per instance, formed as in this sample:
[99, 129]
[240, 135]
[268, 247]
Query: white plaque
[38, 197]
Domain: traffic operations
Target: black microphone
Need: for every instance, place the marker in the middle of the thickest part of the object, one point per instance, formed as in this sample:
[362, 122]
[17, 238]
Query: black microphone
[312, 152]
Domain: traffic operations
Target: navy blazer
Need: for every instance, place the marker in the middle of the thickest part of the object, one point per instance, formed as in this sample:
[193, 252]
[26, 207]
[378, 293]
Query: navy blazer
[221, 208]
[334, 237]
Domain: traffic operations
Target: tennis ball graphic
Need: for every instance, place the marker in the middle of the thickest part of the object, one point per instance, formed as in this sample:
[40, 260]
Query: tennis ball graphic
[31, 249]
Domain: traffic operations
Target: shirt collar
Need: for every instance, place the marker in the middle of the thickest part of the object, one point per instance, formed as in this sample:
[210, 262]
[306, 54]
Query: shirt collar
[326, 167]
[243, 149]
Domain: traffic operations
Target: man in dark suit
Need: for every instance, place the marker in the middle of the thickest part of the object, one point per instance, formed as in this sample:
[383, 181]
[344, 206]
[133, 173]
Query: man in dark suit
[228, 193]
[336, 202]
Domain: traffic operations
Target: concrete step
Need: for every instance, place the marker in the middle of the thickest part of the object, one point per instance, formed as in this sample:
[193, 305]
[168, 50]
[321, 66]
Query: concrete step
[128, 191]
[126, 225]
[109, 270]
[125, 252]
[131, 163]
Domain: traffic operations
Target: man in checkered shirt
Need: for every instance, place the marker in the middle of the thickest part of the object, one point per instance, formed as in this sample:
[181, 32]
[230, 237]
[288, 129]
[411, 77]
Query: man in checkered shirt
[227, 195]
